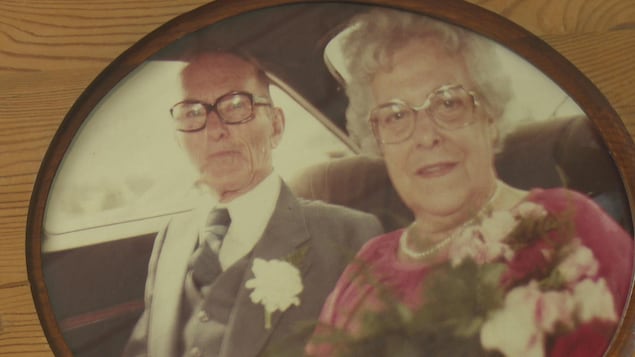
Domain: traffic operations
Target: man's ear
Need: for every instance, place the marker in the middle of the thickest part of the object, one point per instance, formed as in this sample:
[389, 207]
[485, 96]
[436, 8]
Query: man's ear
[176, 136]
[492, 127]
[278, 123]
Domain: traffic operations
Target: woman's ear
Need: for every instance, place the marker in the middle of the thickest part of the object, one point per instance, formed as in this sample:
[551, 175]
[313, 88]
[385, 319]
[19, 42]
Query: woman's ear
[380, 147]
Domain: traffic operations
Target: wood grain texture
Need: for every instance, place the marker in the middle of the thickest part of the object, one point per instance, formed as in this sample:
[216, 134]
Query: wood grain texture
[50, 50]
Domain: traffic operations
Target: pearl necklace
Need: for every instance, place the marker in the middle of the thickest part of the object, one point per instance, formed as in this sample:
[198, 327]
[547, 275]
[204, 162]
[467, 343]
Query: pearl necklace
[403, 245]
[403, 241]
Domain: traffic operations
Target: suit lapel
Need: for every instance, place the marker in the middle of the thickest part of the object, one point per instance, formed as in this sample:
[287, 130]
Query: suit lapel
[285, 234]
[180, 241]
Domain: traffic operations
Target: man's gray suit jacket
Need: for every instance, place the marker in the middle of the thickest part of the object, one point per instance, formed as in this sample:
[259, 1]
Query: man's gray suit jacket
[329, 236]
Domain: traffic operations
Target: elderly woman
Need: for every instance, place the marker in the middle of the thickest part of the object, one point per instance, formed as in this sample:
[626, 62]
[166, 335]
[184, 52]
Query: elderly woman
[485, 268]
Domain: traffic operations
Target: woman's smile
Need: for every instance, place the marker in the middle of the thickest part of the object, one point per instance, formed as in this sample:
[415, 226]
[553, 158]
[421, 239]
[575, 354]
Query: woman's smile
[439, 169]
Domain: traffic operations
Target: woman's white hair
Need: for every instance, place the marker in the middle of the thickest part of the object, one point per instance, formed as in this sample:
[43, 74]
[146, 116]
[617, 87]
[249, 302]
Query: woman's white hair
[374, 36]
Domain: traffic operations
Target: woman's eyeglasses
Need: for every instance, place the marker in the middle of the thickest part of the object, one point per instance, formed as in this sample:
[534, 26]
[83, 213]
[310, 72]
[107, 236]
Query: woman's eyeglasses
[449, 107]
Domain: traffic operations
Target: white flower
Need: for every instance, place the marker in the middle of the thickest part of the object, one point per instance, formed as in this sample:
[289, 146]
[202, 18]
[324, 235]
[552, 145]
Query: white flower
[579, 264]
[498, 225]
[513, 329]
[467, 245]
[484, 243]
[530, 210]
[594, 300]
[277, 285]
[528, 314]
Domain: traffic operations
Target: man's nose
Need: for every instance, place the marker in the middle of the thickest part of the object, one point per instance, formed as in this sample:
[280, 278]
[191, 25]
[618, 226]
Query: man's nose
[426, 132]
[214, 127]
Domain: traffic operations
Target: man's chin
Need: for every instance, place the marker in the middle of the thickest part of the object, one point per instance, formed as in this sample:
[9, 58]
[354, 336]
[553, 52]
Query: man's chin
[225, 175]
[226, 184]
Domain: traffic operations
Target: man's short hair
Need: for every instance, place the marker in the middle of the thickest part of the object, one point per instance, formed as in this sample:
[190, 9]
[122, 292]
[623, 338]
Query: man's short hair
[259, 73]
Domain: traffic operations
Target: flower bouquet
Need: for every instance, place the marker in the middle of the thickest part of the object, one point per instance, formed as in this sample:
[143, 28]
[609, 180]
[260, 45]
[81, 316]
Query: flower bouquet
[516, 283]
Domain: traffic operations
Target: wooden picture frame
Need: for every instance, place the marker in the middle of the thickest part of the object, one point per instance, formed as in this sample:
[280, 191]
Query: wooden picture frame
[612, 131]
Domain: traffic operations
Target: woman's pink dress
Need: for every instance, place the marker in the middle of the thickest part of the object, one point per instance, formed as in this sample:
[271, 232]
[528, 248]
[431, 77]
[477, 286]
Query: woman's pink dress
[377, 260]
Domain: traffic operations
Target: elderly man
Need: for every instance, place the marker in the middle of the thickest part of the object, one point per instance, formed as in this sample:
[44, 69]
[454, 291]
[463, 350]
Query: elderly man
[237, 278]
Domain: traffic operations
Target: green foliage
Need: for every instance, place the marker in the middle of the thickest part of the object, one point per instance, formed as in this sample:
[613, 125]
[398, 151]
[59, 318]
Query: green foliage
[529, 230]
[456, 303]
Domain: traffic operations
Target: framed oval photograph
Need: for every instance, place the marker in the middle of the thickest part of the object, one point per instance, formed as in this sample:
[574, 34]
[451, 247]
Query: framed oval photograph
[352, 178]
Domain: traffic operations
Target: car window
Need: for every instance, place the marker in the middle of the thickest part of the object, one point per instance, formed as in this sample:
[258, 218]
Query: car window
[125, 165]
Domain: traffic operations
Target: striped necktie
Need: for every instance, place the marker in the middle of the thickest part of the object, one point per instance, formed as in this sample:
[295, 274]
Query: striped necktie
[204, 264]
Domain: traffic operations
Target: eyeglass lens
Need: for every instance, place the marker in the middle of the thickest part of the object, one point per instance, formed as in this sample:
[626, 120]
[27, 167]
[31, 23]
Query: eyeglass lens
[232, 108]
[449, 108]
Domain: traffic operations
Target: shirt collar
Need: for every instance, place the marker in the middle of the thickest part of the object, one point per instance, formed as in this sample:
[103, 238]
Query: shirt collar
[257, 204]
[250, 214]
[266, 191]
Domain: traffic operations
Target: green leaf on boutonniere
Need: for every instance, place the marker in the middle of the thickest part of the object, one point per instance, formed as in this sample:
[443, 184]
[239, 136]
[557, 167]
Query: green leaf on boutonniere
[296, 258]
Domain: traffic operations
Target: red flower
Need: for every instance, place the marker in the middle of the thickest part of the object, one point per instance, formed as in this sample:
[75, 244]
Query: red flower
[529, 262]
[590, 339]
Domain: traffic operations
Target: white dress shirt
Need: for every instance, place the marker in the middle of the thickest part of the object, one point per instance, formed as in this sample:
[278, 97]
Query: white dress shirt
[250, 214]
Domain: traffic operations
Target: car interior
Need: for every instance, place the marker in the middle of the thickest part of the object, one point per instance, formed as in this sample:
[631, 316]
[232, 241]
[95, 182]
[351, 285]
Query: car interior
[96, 291]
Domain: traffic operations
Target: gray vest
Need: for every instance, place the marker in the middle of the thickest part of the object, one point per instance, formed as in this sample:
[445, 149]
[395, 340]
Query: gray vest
[205, 321]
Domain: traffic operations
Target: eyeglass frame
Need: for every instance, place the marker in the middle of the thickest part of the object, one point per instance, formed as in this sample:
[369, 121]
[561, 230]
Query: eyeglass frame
[416, 109]
[209, 107]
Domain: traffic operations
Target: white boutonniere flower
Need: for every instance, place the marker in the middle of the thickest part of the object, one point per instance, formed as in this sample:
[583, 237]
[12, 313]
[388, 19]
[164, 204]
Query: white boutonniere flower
[277, 285]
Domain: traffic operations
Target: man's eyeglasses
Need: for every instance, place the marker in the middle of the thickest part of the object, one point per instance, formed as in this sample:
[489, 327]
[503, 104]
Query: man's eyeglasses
[232, 108]
[449, 107]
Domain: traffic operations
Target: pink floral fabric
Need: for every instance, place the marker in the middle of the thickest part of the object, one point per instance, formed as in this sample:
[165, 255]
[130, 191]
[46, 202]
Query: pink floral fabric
[376, 269]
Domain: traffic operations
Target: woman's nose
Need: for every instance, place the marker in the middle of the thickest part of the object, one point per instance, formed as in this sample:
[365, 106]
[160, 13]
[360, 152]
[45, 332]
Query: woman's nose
[426, 132]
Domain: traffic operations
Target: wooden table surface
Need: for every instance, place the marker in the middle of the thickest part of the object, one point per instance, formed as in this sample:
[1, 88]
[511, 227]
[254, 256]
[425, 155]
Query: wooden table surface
[51, 50]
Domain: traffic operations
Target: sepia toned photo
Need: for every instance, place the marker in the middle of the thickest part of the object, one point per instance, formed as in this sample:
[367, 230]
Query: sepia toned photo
[337, 179]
